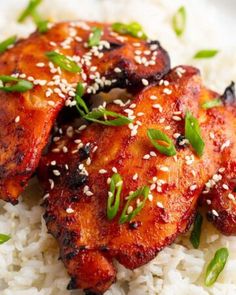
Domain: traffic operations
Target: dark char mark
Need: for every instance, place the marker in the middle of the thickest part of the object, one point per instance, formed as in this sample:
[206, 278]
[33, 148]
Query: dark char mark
[72, 284]
[229, 97]
[76, 180]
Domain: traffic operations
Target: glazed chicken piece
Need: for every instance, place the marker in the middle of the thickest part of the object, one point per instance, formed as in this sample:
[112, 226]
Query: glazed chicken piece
[77, 182]
[26, 118]
[219, 194]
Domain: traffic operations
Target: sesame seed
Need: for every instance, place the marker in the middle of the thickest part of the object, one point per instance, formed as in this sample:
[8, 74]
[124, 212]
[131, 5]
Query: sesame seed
[65, 149]
[53, 163]
[82, 127]
[130, 209]
[17, 119]
[176, 118]
[108, 180]
[225, 186]
[146, 157]
[135, 176]
[40, 65]
[46, 196]
[160, 205]
[193, 187]
[102, 171]
[150, 197]
[157, 106]
[70, 210]
[153, 97]
[88, 193]
[153, 154]
[88, 161]
[176, 135]
[117, 70]
[140, 114]
[167, 91]
[152, 186]
[217, 177]
[51, 182]
[110, 194]
[225, 145]
[145, 82]
[212, 135]
[231, 197]
[56, 172]
[114, 169]
[222, 169]
[51, 103]
[164, 169]
[214, 212]
[208, 202]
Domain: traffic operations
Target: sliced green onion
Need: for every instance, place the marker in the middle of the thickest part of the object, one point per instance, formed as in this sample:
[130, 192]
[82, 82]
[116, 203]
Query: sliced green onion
[216, 266]
[206, 53]
[134, 29]
[212, 103]
[179, 21]
[113, 201]
[4, 238]
[95, 37]
[29, 10]
[80, 104]
[161, 142]
[8, 42]
[16, 85]
[42, 25]
[141, 192]
[196, 232]
[63, 62]
[193, 133]
[80, 89]
[119, 120]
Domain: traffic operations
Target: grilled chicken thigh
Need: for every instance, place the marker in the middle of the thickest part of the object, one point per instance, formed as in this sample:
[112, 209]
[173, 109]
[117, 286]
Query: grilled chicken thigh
[219, 193]
[77, 171]
[26, 118]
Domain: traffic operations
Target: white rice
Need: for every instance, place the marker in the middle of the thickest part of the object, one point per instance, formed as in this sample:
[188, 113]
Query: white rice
[29, 261]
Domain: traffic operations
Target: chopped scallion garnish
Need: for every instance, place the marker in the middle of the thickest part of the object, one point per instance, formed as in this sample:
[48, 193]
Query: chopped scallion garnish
[80, 104]
[4, 238]
[113, 201]
[206, 53]
[212, 103]
[134, 29]
[41, 24]
[216, 266]
[12, 84]
[119, 120]
[29, 9]
[179, 21]
[6, 43]
[196, 232]
[127, 216]
[95, 37]
[161, 142]
[63, 62]
[193, 133]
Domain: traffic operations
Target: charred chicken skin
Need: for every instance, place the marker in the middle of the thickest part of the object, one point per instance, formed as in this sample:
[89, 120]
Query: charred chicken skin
[26, 118]
[77, 182]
